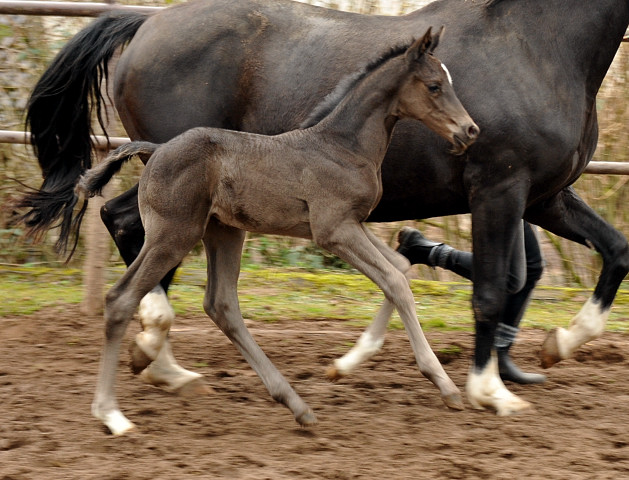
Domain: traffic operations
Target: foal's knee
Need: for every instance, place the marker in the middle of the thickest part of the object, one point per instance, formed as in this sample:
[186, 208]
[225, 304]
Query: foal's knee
[400, 262]
[618, 249]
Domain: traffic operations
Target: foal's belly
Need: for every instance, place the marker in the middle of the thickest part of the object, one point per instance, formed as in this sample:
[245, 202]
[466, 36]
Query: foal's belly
[266, 216]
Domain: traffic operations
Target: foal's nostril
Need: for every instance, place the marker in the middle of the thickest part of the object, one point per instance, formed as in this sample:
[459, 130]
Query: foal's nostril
[473, 131]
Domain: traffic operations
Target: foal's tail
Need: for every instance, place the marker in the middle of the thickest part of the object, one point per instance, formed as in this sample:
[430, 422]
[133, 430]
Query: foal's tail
[59, 115]
[94, 180]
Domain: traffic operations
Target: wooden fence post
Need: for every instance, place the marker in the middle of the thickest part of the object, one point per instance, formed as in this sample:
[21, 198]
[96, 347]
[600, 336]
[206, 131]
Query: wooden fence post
[97, 236]
[96, 255]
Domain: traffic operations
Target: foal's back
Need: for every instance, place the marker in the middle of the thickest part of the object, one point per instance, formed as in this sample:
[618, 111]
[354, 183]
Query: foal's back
[258, 183]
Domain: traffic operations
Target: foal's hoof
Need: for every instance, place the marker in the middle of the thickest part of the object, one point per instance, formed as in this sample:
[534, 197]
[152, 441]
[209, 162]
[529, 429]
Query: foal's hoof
[195, 388]
[549, 354]
[454, 401]
[115, 422]
[307, 419]
[333, 373]
[139, 359]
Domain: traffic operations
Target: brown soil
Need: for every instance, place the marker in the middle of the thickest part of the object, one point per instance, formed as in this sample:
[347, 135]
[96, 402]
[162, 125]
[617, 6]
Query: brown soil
[386, 421]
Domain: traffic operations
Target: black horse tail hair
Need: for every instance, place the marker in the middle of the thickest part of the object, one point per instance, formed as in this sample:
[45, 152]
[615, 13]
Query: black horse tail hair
[92, 182]
[59, 114]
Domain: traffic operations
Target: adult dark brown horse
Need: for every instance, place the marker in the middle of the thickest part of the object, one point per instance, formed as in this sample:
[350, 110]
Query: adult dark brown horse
[528, 71]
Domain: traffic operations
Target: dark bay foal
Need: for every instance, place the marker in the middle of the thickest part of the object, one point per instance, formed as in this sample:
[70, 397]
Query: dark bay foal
[319, 182]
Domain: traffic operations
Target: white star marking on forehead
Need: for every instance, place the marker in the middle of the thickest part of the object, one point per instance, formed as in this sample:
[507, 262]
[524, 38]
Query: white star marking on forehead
[445, 69]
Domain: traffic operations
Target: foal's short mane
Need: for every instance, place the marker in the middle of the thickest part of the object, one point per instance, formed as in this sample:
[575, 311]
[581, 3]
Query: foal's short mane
[332, 99]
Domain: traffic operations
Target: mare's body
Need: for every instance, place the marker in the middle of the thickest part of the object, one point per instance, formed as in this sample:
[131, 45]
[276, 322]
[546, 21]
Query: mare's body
[528, 72]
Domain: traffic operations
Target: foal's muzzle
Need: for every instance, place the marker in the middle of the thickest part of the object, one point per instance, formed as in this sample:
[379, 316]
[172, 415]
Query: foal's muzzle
[466, 138]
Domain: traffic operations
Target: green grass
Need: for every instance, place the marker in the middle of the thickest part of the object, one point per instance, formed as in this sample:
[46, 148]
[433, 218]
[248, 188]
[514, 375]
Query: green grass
[272, 294]
[28, 289]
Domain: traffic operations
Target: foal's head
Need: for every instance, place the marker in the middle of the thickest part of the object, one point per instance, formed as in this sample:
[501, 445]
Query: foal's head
[428, 95]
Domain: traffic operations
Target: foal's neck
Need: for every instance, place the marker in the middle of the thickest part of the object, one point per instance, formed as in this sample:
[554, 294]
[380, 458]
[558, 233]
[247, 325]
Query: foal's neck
[365, 118]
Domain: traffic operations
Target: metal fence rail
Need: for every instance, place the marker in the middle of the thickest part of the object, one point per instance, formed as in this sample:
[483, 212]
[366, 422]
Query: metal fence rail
[100, 143]
[69, 9]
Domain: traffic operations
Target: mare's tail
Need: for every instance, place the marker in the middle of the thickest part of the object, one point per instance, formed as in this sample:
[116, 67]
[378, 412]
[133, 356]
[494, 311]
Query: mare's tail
[59, 115]
[94, 180]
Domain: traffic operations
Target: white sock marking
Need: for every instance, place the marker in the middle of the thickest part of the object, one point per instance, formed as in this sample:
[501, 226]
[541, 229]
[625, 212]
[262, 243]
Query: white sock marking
[366, 347]
[485, 389]
[156, 316]
[586, 325]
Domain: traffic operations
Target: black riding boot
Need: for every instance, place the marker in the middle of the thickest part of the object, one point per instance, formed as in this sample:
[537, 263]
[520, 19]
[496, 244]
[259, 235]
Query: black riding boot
[418, 249]
[509, 371]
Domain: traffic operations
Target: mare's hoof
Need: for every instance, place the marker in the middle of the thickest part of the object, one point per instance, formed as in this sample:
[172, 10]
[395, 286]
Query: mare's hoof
[333, 373]
[195, 388]
[139, 359]
[504, 404]
[454, 401]
[514, 406]
[307, 419]
[549, 354]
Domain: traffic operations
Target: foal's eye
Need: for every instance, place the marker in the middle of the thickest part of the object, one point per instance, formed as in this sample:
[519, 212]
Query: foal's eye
[434, 88]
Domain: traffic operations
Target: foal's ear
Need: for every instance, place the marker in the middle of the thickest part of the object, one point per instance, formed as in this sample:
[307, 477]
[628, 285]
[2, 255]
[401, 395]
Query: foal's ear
[425, 44]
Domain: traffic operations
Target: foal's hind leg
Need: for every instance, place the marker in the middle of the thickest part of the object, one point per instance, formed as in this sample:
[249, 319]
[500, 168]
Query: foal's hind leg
[151, 354]
[350, 242]
[223, 246]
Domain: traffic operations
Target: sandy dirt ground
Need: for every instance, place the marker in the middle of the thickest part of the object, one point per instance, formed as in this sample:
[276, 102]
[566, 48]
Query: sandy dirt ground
[385, 421]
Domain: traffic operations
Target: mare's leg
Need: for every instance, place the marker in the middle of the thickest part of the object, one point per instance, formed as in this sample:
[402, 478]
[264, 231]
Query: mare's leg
[223, 246]
[368, 344]
[496, 235]
[151, 347]
[371, 340]
[569, 216]
[351, 243]
[120, 304]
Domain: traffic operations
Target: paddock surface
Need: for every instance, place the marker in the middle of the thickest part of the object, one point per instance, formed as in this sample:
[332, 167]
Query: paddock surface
[385, 421]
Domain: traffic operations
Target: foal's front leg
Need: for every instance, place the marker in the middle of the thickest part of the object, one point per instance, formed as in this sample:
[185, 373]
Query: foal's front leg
[223, 247]
[350, 242]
